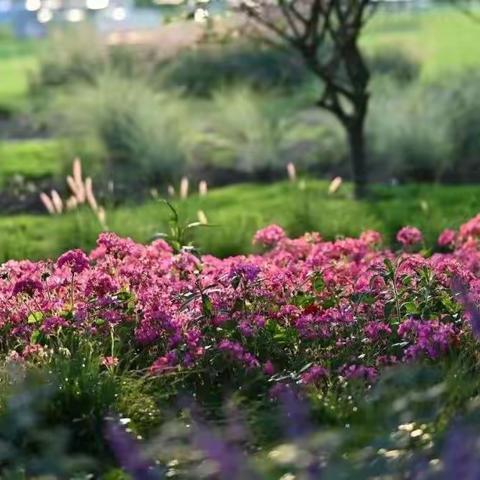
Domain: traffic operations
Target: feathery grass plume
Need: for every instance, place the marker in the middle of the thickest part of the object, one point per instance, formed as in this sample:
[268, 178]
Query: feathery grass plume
[202, 218]
[78, 181]
[73, 187]
[171, 191]
[57, 201]
[335, 184]
[203, 188]
[48, 204]
[91, 200]
[154, 193]
[102, 217]
[184, 188]
[82, 192]
[71, 203]
[77, 170]
[292, 172]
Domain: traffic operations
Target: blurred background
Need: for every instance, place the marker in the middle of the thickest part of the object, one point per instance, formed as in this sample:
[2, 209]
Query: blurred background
[159, 98]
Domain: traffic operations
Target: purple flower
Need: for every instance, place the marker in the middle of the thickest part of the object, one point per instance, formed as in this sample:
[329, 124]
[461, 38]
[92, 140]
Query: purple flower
[128, 453]
[75, 260]
[314, 375]
[248, 271]
[356, 372]
[28, 286]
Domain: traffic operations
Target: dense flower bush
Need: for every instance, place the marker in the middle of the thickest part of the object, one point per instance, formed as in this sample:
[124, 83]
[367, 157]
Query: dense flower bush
[306, 310]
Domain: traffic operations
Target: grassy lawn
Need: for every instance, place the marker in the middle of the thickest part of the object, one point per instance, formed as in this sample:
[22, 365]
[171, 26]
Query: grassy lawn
[431, 208]
[32, 159]
[443, 40]
[17, 59]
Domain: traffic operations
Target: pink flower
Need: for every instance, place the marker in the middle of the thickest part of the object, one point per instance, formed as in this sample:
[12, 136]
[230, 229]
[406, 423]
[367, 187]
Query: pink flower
[163, 363]
[371, 237]
[109, 362]
[374, 330]
[409, 236]
[28, 286]
[357, 372]
[314, 375]
[268, 368]
[447, 238]
[269, 236]
[470, 228]
[75, 260]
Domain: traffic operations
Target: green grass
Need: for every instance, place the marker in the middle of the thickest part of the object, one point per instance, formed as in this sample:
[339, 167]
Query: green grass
[32, 159]
[443, 40]
[17, 59]
[238, 211]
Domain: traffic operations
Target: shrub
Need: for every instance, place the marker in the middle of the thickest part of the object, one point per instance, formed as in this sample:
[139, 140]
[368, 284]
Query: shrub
[395, 64]
[460, 94]
[408, 131]
[205, 70]
[256, 316]
[136, 132]
[70, 56]
[257, 133]
[426, 131]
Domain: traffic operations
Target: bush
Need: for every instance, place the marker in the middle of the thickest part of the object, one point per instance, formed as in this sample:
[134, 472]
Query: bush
[205, 70]
[426, 131]
[136, 132]
[79, 55]
[259, 134]
[408, 133]
[460, 93]
[394, 64]
[304, 320]
[71, 56]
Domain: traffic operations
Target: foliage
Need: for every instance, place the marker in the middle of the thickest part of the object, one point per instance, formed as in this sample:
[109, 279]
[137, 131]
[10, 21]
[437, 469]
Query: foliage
[69, 57]
[205, 70]
[136, 132]
[394, 64]
[259, 134]
[133, 327]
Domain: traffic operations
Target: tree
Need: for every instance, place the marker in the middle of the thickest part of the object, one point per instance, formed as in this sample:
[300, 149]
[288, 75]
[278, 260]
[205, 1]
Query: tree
[325, 33]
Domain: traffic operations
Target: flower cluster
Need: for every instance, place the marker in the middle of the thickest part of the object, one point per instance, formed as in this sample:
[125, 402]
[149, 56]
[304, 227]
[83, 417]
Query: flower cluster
[307, 308]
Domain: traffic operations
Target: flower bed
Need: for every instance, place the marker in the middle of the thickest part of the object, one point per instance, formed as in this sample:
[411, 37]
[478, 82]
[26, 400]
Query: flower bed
[306, 310]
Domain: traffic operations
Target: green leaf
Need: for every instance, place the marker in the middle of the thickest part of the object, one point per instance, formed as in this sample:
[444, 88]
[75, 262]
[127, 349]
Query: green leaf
[207, 306]
[411, 308]
[302, 299]
[35, 317]
[390, 267]
[318, 282]
[35, 336]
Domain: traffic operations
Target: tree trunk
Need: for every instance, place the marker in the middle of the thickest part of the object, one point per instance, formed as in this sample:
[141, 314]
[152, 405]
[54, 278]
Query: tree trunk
[358, 160]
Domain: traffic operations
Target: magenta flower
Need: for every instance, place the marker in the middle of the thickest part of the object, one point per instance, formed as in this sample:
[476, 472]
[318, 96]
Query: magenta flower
[409, 236]
[28, 286]
[269, 236]
[314, 375]
[110, 362]
[75, 260]
[371, 237]
[447, 238]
